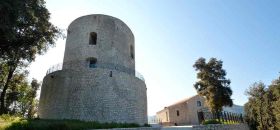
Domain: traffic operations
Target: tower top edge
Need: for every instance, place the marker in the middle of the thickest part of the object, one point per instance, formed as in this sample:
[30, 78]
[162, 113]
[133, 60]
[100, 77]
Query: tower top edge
[99, 15]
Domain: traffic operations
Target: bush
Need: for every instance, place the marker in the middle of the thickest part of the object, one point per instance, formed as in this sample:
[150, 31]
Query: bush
[147, 125]
[8, 118]
[213, 121]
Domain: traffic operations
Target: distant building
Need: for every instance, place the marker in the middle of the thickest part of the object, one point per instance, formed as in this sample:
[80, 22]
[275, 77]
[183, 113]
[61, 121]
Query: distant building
[187, 112]
[182, 113]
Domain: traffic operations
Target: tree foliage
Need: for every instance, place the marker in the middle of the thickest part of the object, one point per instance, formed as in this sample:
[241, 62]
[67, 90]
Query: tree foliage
[21, 95]
[25, 31]
[263, 108]
[25, 28]
[275, 90]
[212, 84]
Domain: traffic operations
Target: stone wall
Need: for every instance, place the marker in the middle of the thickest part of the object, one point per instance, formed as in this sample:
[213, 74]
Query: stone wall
[163, 117]
[93, 96]
[97, 81]
[140, 128]
[200, 127]
[113, 45]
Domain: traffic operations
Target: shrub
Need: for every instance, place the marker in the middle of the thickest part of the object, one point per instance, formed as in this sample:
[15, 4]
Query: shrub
[147, 125]
[8, 118]
[206, 122]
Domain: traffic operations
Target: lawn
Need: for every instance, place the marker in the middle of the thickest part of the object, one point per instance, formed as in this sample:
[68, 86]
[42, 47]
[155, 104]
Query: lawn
[16, 123]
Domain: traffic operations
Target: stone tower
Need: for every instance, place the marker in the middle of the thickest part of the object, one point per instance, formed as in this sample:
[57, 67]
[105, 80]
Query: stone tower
[97, 81]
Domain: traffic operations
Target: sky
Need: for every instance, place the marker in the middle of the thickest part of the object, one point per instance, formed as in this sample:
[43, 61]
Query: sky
[170, 35]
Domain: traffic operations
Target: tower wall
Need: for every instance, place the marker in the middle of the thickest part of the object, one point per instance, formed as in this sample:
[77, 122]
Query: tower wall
[114, 43]
[105, 92]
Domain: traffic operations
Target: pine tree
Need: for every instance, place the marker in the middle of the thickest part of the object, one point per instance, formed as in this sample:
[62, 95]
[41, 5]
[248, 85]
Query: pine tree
[213, 84]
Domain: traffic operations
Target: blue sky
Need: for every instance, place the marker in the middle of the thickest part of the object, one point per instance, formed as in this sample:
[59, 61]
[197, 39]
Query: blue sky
[170, 35]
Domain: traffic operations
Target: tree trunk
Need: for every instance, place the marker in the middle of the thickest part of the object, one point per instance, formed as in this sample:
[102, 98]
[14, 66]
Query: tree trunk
[3, 94]
[218, 116]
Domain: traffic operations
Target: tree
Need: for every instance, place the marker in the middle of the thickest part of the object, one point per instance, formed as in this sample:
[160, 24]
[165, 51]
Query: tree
[18, 87]
[212, 84]
[275, 90]
[32, 102]
[255, 107]
[268, 116]
[21, 95]
[25, 31]
[250, 116]
[18, 79]
[263, 108]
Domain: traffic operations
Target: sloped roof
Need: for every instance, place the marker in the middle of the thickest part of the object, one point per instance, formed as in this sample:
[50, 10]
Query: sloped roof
[182, 101]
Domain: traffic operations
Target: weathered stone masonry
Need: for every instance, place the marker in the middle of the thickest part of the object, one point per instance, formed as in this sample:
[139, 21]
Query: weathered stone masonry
[97, 81]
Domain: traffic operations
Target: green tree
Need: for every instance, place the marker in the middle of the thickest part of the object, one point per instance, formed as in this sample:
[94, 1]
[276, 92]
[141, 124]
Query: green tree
[251, 116]
[268, 116]
[18, 79]
[262, 109]
[25, 31]
[32, 102]
[21, 95]
[255, 107]
[18, 87]
[212, 84]
[275, 90]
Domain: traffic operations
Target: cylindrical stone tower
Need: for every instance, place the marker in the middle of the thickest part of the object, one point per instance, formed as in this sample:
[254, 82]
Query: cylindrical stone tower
[97, 81]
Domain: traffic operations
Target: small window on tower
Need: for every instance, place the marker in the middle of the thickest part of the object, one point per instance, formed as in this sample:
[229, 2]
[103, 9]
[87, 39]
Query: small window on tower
[132, 51]
[198, 103]
[92, 62]
[92, 38]
[178, 113]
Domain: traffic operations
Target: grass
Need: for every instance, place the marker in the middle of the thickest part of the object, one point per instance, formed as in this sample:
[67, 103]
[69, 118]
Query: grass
[7, 120]
[16, 123]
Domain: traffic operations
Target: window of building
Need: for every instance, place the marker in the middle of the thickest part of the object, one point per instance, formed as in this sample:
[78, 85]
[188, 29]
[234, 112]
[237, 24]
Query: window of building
[198, 103]
[92, 62]
[166, 116]
[178, 113]
[111, 74]
[132, 51]
[92, 38]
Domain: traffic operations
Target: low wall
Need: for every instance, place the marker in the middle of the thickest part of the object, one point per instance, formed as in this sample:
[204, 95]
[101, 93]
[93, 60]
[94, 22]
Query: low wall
[222, 127]
[140, 128]
[197, 127]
